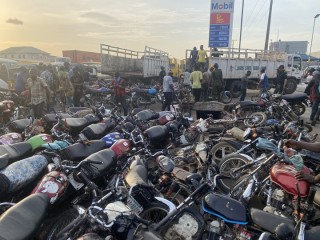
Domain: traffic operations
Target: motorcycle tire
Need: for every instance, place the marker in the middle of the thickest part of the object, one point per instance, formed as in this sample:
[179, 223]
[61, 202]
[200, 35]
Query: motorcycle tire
[226, 97]
[298, 108]
[141, 102]
[259, 119]
[189, 224]
[155, 212]
[63, 220]
[220, 151]
[235, 88]
[291, 86]
[225, 168]
[307, 127]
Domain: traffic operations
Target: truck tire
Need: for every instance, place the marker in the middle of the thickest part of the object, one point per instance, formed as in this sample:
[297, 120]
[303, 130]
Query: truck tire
[235, 88]
[291, 86]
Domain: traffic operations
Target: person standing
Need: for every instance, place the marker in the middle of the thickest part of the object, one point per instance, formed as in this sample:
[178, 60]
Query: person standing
[186, 79]
[244, 85]
[217, 82]
[39, 92]
[162, 74]
[202, 58]
[168, 90]
[118, 84]
[193, 58]
[21, 80]
[77, 82]
[66, 89]
[282, 80]
[314, 94]
[206, 82]
[196, 78]
[263, 82]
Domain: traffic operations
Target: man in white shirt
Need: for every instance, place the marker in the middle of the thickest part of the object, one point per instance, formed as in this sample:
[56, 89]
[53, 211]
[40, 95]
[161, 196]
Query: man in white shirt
[168, 91]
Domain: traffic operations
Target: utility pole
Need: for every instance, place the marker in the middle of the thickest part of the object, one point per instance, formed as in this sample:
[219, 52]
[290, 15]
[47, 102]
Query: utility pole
[314, 21]
[268, 27]
[241, 26]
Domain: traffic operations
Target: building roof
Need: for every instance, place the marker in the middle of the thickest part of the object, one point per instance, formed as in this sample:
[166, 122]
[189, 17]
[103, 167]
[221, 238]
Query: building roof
[23, 50]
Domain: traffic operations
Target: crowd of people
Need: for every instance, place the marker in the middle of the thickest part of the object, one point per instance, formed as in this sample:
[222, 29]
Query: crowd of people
[43, 84]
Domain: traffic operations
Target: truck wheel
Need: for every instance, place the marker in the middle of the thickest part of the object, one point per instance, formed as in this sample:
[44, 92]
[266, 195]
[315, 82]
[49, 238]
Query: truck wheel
[235, 87]
[291, 86]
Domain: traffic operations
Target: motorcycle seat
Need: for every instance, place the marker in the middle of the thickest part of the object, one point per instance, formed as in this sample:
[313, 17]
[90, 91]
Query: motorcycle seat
[227, 208]
[156, 133]
[50, 119]
[98, 130]
[76, 122]
[295, 97]
[269, 221]
[106, 157]
[248, 104]
[138, 175]
[18, 126]
[80, 151]
[14, 152]
[316, 199]
[146, 115]
[22, 220]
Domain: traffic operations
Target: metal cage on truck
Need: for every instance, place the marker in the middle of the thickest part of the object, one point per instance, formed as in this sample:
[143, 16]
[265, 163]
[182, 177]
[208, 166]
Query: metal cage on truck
[133, 64]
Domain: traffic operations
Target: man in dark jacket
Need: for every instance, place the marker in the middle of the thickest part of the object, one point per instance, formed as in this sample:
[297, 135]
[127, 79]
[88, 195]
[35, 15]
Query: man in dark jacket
[118, 84]
[313, 91]
[162, 74]
[281, 83]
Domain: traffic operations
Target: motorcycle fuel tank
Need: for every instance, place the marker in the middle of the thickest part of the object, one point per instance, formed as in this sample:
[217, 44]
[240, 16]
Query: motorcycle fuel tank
[38, 140]
[284, 176]
[111, 138]
[53, 185]
[121, 147]
[10, 138]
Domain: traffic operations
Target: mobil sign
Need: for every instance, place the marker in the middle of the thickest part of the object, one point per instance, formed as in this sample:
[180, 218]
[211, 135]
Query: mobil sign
[221, 19]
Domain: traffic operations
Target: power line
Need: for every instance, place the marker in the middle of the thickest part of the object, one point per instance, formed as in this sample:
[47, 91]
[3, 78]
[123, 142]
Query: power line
[247, 21]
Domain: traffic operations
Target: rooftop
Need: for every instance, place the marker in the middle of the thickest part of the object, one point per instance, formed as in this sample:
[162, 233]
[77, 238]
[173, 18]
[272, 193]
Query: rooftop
[23, 50]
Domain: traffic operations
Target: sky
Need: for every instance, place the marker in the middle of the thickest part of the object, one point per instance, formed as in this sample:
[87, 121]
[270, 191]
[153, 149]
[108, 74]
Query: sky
[169, 25]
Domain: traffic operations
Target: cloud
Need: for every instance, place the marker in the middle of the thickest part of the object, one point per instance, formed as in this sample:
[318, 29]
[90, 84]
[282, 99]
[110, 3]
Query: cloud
[14, 21]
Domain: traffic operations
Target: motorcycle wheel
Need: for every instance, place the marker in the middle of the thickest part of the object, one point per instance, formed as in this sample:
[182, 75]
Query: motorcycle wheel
[64, 220]
[235, 87]
[226, 97]
[298, 108]
[141, 102]
[259, 118]
[225, 168]
[155, 212]
[220, 151]
[307, 127]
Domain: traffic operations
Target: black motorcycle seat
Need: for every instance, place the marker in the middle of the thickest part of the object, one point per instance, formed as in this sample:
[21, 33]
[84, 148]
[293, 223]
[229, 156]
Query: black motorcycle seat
[80, 151]
[18, 126]
[22, 220]
[14, 152]
[156, 133]
[248, 103]
[227, 208]
[297, 97]
[138, 175]
[146, 115]
[51, 118]
[106, 157]
[269, 221]
[97, 130]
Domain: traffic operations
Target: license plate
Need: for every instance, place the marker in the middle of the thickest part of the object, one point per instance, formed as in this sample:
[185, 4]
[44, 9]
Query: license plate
[74, 183]
[134, 205]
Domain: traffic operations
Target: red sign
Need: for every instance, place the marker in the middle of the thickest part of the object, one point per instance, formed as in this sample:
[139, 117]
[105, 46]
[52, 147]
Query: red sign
[220, 18]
